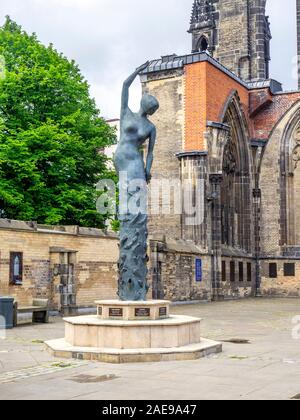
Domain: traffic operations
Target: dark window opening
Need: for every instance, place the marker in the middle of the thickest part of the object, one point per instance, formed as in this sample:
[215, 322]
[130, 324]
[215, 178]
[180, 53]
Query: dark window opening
[273, 271]
[224, 271]
[289, 270]
[16, 268]
[241, 272]
[232, 271]
[249, 272]
[203, 45]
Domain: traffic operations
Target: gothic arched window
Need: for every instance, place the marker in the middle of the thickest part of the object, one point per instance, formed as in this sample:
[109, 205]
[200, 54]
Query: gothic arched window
[236, 185]
[292, 187]
[229, 195]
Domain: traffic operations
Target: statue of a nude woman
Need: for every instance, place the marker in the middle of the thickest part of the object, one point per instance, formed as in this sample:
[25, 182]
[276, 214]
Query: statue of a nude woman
[136, 129]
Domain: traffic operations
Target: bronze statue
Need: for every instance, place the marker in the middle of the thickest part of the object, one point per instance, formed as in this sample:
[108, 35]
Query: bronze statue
[136, 129]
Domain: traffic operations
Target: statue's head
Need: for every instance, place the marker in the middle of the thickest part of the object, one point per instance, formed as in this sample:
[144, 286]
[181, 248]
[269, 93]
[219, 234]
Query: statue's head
[149, 104]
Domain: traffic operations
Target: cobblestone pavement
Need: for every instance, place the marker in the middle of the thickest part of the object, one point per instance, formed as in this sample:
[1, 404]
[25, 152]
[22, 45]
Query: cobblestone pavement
[17, 375]
[261, 360]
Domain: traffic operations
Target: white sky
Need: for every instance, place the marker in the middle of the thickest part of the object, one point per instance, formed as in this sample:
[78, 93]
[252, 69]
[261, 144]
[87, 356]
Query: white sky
[110, 38]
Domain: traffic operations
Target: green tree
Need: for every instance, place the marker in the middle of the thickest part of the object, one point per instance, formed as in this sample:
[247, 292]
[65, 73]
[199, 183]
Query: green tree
[51, 135]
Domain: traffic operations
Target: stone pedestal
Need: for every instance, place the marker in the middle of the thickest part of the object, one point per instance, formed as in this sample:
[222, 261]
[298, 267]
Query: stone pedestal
[125, 332]
[151, 310]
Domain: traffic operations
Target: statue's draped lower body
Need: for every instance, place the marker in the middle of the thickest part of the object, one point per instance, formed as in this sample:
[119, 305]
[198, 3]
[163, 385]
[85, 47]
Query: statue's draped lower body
[133, 256]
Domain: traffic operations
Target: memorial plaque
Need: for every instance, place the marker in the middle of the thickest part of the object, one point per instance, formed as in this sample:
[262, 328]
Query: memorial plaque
[163, 311]
[142, 312]
[100, 310]
[116, 312]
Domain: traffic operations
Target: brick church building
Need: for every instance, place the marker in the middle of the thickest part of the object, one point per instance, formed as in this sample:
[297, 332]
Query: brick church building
[223, 120]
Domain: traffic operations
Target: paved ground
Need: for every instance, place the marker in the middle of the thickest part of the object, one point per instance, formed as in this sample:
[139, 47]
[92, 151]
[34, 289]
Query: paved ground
[267, 368]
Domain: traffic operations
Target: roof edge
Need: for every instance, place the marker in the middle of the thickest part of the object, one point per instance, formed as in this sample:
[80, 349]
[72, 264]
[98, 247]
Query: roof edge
[173, 62]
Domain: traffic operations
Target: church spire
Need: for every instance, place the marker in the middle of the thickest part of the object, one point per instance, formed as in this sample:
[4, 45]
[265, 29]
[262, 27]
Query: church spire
[202, 26]
[202, 14]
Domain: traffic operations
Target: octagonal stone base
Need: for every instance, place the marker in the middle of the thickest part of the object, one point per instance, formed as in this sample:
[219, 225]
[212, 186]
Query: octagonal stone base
[62, 349]
[152, 338]
[90, 331]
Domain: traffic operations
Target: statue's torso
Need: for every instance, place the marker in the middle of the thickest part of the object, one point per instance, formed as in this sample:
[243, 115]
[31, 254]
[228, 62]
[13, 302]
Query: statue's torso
[135, 130]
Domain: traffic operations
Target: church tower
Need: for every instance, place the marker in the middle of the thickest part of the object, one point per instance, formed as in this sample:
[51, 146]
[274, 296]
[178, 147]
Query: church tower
[235, 32]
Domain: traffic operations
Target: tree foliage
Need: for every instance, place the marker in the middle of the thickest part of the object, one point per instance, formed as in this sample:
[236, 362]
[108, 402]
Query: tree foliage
[51, 135]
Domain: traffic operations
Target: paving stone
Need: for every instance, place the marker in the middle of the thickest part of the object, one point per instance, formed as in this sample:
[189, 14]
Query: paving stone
[268, 368]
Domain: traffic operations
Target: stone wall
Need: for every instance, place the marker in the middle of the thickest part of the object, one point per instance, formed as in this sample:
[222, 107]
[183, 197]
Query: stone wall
[168, 89]
[243, 38]
[236, 284]
[196, 96]
[237, 34]
[173, 271]
[233, 37]
[94, 258]
[270, 184]
[282, 286]
[279, 227]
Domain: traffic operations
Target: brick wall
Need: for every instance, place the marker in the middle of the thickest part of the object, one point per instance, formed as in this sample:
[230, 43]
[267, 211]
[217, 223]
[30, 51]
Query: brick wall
[207, 90]
[266, 120]
[96, 256]
[219, 88]
[195, 107]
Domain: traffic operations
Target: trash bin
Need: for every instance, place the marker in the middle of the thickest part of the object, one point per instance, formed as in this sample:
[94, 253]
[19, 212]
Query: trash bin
[6, 312]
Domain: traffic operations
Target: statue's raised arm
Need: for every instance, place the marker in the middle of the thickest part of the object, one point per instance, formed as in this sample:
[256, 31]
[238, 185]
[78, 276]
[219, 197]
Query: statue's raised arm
[126, 85]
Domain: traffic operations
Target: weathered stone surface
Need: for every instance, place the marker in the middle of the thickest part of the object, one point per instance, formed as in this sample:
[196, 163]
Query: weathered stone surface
[237, 34]
[92, 253]
[169, 93]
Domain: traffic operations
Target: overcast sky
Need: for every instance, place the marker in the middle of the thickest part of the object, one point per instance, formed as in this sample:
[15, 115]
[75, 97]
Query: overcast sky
[110, 38]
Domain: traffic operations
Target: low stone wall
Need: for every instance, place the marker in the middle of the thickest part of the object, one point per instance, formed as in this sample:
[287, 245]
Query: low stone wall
[48, 252]
[174, 277]
[179, 278]
[239, 280]
[173, 271]
[282, 285]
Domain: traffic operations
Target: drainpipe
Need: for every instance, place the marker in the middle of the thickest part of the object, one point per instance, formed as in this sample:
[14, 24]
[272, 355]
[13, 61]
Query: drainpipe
[257, 204]
[216, 182]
